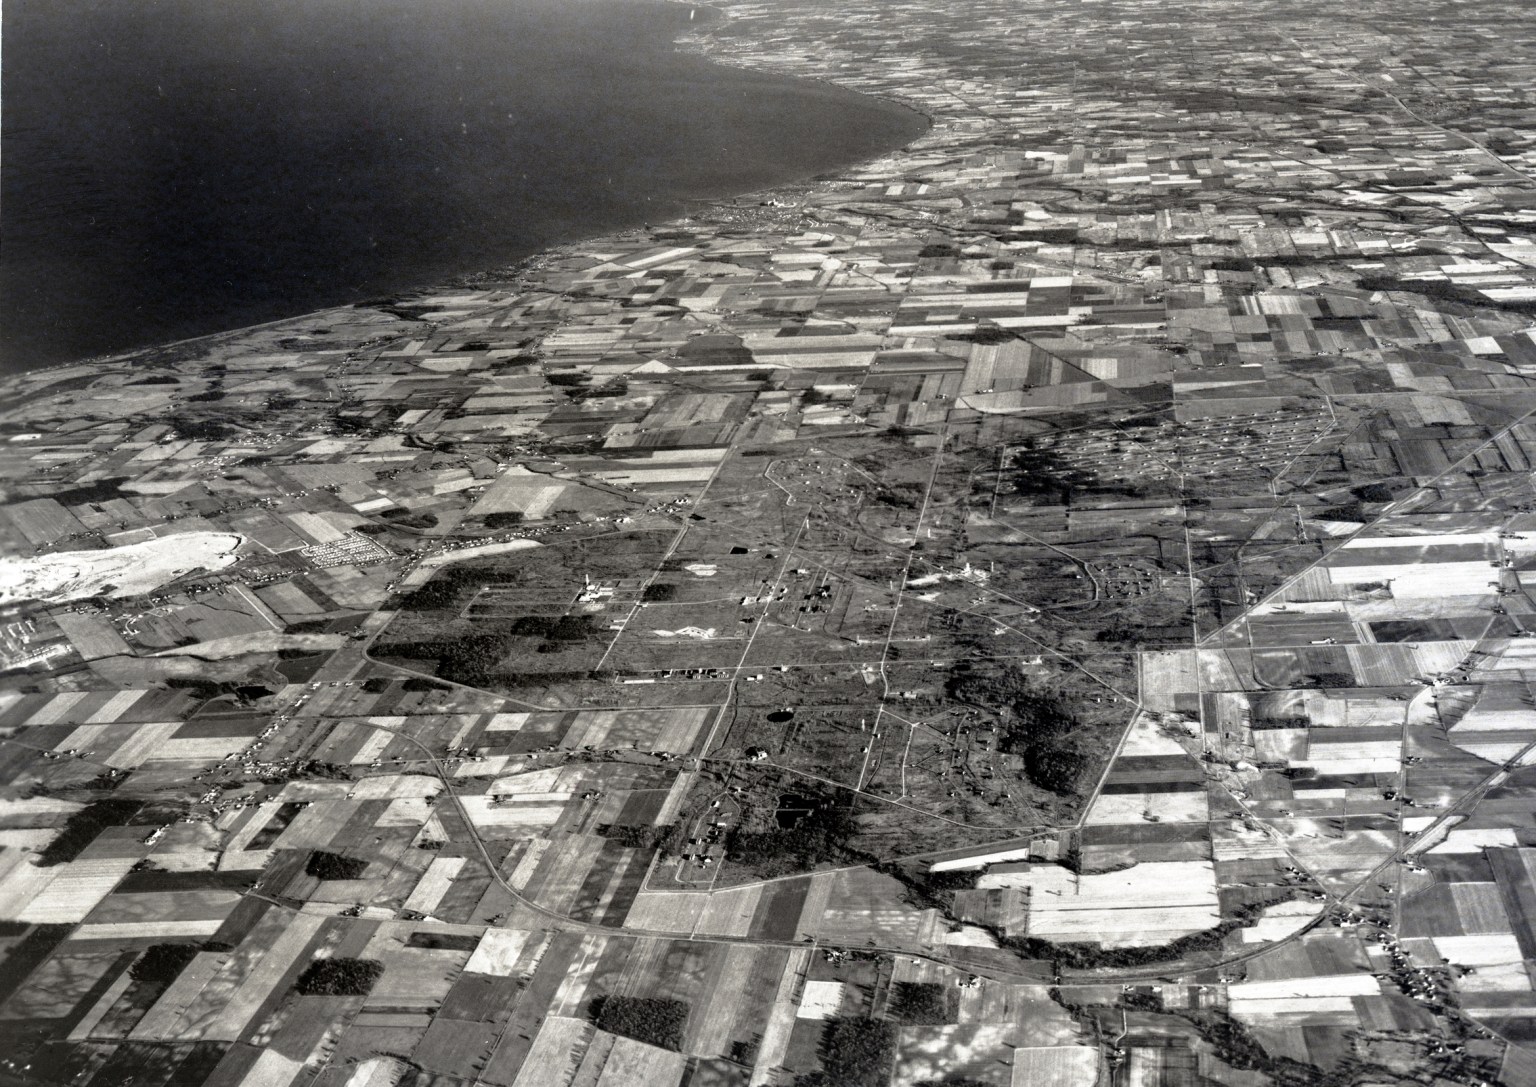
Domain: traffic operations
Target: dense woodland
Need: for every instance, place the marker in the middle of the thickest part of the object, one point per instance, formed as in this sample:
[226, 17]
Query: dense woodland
[656, 1021]
[339, 977]
[82, 827]
[326, 865]
[1036, 725]
[854, 1053]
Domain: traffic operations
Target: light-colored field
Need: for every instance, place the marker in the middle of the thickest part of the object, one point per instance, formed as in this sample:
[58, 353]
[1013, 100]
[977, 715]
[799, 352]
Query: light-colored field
[980, 1046]
[432, 886]
[310, 792]
[1493, 718]
[675, 797]
[1358, 712]
[1150, 903]
[1280, 744]
[1357, 757]
[1499, 751]
[563, 870]
[735, 977]
[1190, 807]
[556, 1052]
[200, 749]
[1322, 749]
[1056, 1066]
[244, 860]
[820, 1000]
[729, 913]
[235, 645]
[250, 824]
[1165, 675]
[1114, 927]
[651, 730]
[1233, 842]
[373, 745]
[1309, 1006]
[1435, 657]
[1314, 607]
[413, 977]
[73, 890]
[18, 809]
[546, 783]
[1309, 986]
[1483, 949]
[498, 952]
[1223, 671]
[377, 1072]
[639, 477]
[630, 1063]
[316, 526]
[570, 996]
[970, 936]
[1518, 657]
[892, 926]
[485, 812]
[396, 787]
[666, 911]
[774, 1046]
[1307, 997]
[56, 710]
[411, 811]
[506, 722]
[528, 864]
[272, 1069]
[1503, 977]
[316, 825]
[982, 859]
[139, 930]
[119, 571]
[197, 851]
[1146, 737]
[141, 744]
[1322, 846]
[1378, 538]
[491, 764]
[1041, 879]
[167, 1015]
[1280, 920]
[1475, 840]
[222, 1008]
[1383, 665]
[1434, 581]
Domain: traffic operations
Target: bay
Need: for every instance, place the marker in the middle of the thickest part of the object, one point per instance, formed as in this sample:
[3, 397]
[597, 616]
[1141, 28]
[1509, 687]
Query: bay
[172, 168]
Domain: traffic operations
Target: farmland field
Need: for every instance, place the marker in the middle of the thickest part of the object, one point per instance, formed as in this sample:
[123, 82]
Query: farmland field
[1047, 603]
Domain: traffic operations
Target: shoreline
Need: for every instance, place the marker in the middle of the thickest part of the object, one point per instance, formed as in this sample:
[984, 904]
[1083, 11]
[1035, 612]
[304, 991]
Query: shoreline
[512, 271]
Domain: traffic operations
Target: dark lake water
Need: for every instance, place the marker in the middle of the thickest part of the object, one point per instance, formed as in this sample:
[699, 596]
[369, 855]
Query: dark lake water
[171, 168]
